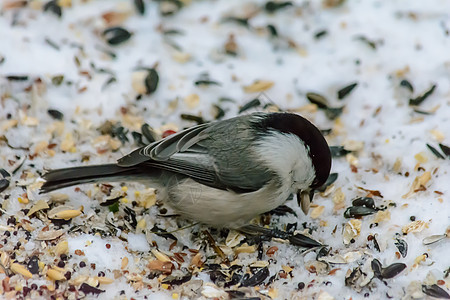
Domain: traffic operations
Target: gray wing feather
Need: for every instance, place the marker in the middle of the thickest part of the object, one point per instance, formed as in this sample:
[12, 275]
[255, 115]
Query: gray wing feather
[209, 154]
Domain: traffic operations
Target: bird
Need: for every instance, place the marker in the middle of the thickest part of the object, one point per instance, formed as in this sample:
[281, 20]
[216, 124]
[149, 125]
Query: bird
[223, 173]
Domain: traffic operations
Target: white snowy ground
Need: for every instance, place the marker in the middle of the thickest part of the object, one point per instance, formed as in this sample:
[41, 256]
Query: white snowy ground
[320, 47]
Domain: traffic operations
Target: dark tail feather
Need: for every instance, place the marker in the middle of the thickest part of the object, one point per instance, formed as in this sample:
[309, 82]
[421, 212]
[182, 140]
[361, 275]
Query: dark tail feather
[61, 178]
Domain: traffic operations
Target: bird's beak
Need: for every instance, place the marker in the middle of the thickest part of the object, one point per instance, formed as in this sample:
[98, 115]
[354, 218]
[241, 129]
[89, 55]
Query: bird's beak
[304, 199]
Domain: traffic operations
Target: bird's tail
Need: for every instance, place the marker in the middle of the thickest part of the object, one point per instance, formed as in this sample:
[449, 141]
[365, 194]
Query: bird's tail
[61, 178]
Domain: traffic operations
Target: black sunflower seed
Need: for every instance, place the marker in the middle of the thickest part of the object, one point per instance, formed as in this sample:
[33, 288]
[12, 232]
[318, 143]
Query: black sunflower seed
[140, 6]
[220, 112]
[376, 268]
[435, 152]
[116, 35]
[272, 6]
[55, 114]
[418, 100]
[320, 34]
[240, 21]
[406, 84]
[111, 201]
[4, 184]
[17, 77]
[317, 99]
[333, 112]
[137, 137]
[251, 104]
[89, 289]
[4, 173]
[331, 179]
[272, 30]
[206, 82]
[364, 201]
[358, 211]
[52, 6]
[392, 270]
[445, 149]
[402, 247]
[33, 265]
[197, 119]
[282, 210]
[151, 81]
[338, 151]
[149, 133]
[342, 93]
[435, 291]
[368, 42]
[163, 233]
[257, 278]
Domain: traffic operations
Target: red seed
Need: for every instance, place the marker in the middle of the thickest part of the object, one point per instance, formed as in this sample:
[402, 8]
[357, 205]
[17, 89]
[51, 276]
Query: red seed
[168, 132]
[108, 246]
[271, 251]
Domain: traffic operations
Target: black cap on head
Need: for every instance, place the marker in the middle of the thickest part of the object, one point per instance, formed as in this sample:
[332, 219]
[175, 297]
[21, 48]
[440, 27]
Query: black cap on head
[312, 137]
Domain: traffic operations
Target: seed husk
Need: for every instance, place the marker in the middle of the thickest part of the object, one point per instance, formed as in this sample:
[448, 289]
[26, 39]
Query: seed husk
[177, 280]
[116, 35]
[402, 247]
[4, 184]
[435, 151]
[406, 84]
[17, 77]
[418, 100]
[435, 291]
[433, 239]
[342, 93]
[445, 149]
[257, 278]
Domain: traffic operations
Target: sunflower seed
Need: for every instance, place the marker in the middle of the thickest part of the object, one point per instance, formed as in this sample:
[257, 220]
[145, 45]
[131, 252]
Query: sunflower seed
[253, 103]
[392, 270]
[55, 114]
[433, 239]
[435, 291]
[140, 6]
[358, 211]
[406, 84]
[435, 152]
[418, 100]
[317, 99]
[52, 6]
[342, 93]
[4, 184]
[331, 179]
[445, 149]
[116, 35]
[272, 6]
[338, 151]
[257, 278]
[364, 201]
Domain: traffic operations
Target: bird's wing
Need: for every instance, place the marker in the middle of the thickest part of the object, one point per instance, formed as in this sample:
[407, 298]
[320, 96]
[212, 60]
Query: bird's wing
[215, 154]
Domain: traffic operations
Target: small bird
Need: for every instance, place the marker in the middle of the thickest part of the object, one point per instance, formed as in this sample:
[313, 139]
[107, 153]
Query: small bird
[222, 173]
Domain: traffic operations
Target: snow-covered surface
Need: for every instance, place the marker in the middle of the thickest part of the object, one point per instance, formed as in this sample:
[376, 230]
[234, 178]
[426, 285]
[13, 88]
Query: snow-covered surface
[376, 44]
